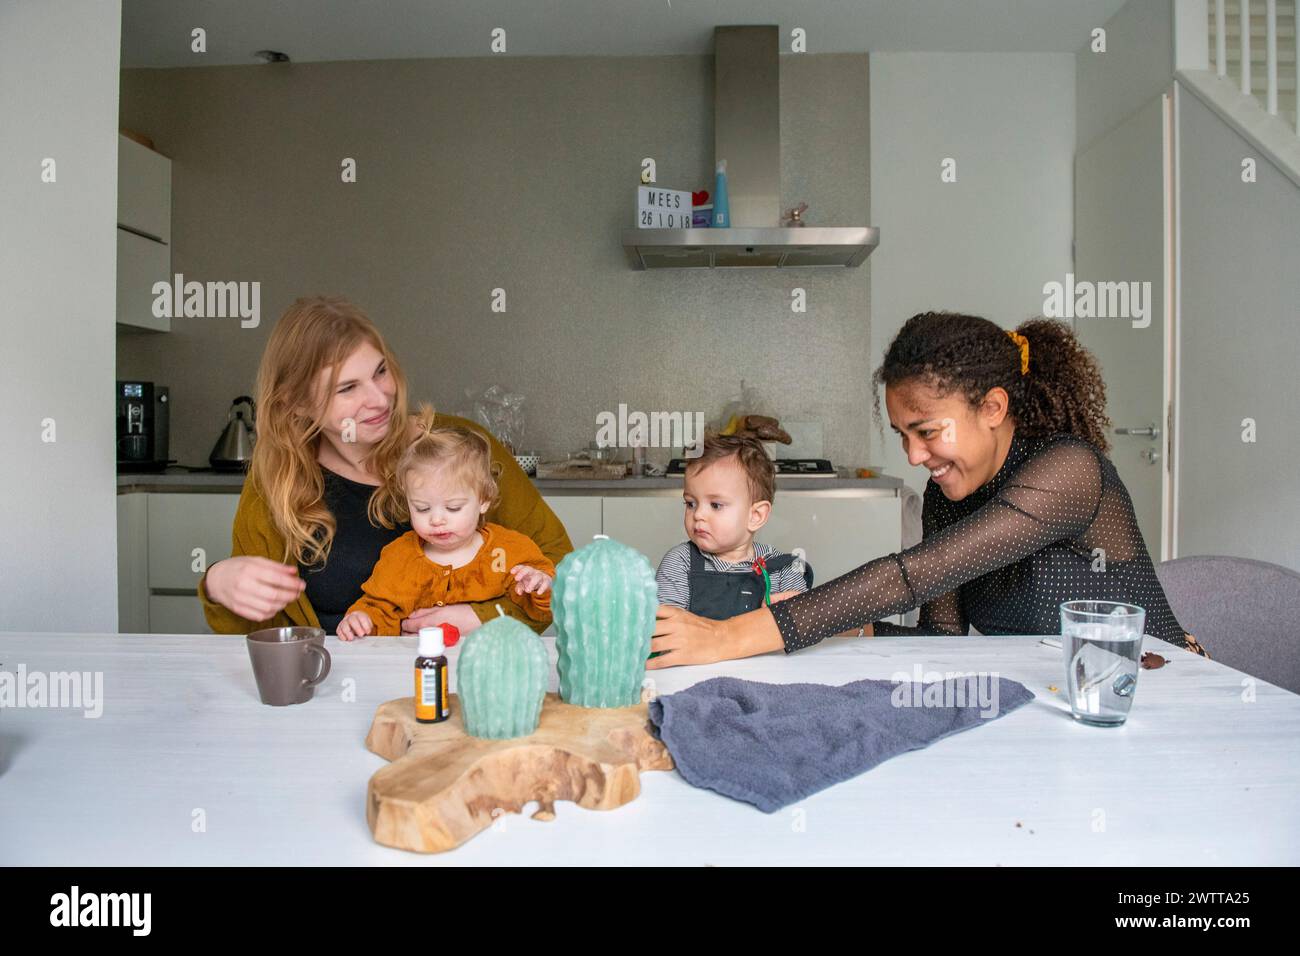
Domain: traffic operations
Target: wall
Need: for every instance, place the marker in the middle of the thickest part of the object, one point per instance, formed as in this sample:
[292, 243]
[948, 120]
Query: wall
[515, 173]
[1137, 65]
[1237, 335]
[58, 96]
[1239, 347]
[986, 243]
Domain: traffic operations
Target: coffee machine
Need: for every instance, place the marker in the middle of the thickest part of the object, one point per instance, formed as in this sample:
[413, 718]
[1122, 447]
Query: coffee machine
[142, 423]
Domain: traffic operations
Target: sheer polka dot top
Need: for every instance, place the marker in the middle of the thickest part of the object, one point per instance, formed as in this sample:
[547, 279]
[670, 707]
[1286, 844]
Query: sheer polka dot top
[1054, 524]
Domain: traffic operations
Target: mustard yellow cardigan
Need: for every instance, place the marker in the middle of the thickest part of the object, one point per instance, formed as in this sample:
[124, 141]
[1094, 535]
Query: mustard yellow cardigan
[520, 508]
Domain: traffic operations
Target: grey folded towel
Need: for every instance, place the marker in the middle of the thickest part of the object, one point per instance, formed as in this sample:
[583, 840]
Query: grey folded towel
[773, 744]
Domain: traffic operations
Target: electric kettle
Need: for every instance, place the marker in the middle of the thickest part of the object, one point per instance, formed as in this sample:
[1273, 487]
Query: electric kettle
[234, 449]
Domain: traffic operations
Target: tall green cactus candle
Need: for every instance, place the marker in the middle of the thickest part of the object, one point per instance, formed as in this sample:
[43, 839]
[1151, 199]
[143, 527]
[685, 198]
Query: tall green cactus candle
[604, 607]
[501, 679]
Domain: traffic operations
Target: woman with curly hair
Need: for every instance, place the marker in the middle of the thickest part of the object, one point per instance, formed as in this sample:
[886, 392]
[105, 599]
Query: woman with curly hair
[1023, 510]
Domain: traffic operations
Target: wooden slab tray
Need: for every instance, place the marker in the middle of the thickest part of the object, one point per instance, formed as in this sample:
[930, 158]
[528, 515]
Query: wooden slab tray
[443, 786]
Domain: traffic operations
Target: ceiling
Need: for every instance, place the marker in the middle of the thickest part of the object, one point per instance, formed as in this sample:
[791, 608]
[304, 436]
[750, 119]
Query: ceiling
[156, 33]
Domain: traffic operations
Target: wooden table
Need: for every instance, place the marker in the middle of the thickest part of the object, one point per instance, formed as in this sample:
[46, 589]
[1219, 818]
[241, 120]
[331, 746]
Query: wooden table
[186, 766]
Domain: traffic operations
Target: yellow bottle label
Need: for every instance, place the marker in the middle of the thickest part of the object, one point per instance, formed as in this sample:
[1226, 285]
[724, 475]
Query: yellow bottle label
[426, 694]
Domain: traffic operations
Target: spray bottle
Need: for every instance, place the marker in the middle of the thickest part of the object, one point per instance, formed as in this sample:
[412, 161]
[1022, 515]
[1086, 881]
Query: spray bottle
[721, 209]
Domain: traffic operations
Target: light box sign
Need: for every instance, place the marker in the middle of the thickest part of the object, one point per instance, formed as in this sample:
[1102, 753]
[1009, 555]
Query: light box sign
[663, 208]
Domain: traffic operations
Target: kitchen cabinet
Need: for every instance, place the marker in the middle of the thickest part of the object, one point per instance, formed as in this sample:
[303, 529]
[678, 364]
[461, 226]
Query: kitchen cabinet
[837, 534]
[132, 564]
[144, 190]
[177, 614]
[651, 525]
[580, 515]
[180, 525]
[158, 571]
[140, 263]
[144, 220]
[159, 533]
[837, 531]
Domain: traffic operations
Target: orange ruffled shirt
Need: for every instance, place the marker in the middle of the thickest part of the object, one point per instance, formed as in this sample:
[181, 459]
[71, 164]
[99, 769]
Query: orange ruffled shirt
[405, 579]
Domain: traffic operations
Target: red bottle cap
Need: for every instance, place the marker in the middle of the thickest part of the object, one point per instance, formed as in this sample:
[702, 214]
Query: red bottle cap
[450, 634]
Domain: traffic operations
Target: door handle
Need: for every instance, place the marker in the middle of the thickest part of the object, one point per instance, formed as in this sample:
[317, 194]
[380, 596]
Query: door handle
[1150, 431]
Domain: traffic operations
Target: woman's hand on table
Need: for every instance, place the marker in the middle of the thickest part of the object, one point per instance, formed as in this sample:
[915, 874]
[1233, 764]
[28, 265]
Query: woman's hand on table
[254, 588]
[460, 616]
[681, 637]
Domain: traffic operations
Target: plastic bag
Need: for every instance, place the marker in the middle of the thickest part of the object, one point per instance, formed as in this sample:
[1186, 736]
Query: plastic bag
[500, 412]
[745, 402]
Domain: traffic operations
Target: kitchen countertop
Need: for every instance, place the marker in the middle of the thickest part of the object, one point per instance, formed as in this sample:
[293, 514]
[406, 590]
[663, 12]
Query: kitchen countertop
[1198, 775]
[218, 483]
[201, 481]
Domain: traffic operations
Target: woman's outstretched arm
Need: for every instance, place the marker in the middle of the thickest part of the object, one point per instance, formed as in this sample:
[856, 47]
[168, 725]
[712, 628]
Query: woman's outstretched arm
[1051, 497]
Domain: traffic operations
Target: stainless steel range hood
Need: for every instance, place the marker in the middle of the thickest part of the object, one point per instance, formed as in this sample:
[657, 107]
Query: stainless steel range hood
[747, 134]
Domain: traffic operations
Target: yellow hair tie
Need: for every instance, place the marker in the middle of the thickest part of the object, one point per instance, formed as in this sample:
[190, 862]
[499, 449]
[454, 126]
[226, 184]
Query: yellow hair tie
[1023, 344]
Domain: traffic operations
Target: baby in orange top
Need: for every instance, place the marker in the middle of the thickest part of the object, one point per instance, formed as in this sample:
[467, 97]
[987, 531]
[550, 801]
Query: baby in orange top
[450, 555]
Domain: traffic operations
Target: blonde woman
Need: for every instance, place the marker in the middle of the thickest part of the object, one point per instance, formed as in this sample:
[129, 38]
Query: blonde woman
[322, 497]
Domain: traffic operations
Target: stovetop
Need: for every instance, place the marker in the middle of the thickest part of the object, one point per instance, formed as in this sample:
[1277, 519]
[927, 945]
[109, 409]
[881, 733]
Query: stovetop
[785, 467]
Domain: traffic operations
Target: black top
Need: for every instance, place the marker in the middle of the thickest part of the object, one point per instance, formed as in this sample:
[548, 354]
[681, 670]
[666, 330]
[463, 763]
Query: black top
[334, 587]
[1054, 524]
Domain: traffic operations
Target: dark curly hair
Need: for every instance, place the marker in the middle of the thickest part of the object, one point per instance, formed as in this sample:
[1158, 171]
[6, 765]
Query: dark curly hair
[1062, 391]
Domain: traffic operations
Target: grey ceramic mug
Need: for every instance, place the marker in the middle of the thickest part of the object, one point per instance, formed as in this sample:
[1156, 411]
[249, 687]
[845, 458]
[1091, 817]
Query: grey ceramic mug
[288, 663]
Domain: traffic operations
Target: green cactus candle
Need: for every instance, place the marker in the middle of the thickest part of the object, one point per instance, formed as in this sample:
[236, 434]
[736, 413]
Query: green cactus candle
[604, 607]
[501, 679]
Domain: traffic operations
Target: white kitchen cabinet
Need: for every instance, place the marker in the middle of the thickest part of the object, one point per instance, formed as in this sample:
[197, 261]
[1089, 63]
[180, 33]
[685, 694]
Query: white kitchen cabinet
[144, 190]
[178, 525]
[158, 534]
[140, 263]
[652, 525]
[132, 564]
[580, 515]
[144, 219]
[836, 532]
[177, 614]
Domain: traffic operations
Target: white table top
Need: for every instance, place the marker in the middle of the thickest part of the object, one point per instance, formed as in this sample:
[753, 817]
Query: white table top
[1197, 776]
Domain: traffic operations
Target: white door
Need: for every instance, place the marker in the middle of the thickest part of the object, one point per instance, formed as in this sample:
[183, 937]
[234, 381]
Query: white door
[1123, 234]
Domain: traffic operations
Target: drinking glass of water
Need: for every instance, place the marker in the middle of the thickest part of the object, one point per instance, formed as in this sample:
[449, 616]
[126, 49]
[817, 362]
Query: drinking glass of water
[1102, 645]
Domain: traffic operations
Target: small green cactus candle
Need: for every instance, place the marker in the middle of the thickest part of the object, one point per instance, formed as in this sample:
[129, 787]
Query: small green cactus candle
[501, 679]
[604, 607]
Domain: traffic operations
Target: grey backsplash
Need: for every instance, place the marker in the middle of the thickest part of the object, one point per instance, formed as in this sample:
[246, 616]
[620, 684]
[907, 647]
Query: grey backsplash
[475, 174]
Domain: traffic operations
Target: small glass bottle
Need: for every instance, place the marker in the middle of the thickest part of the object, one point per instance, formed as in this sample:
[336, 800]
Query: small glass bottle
[431, 677]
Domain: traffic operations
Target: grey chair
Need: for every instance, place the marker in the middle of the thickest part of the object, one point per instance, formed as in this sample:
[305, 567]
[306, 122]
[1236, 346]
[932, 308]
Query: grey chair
[1245, 613]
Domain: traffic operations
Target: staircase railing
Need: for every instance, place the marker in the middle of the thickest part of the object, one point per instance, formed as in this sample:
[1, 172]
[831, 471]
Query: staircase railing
[1271, 38]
